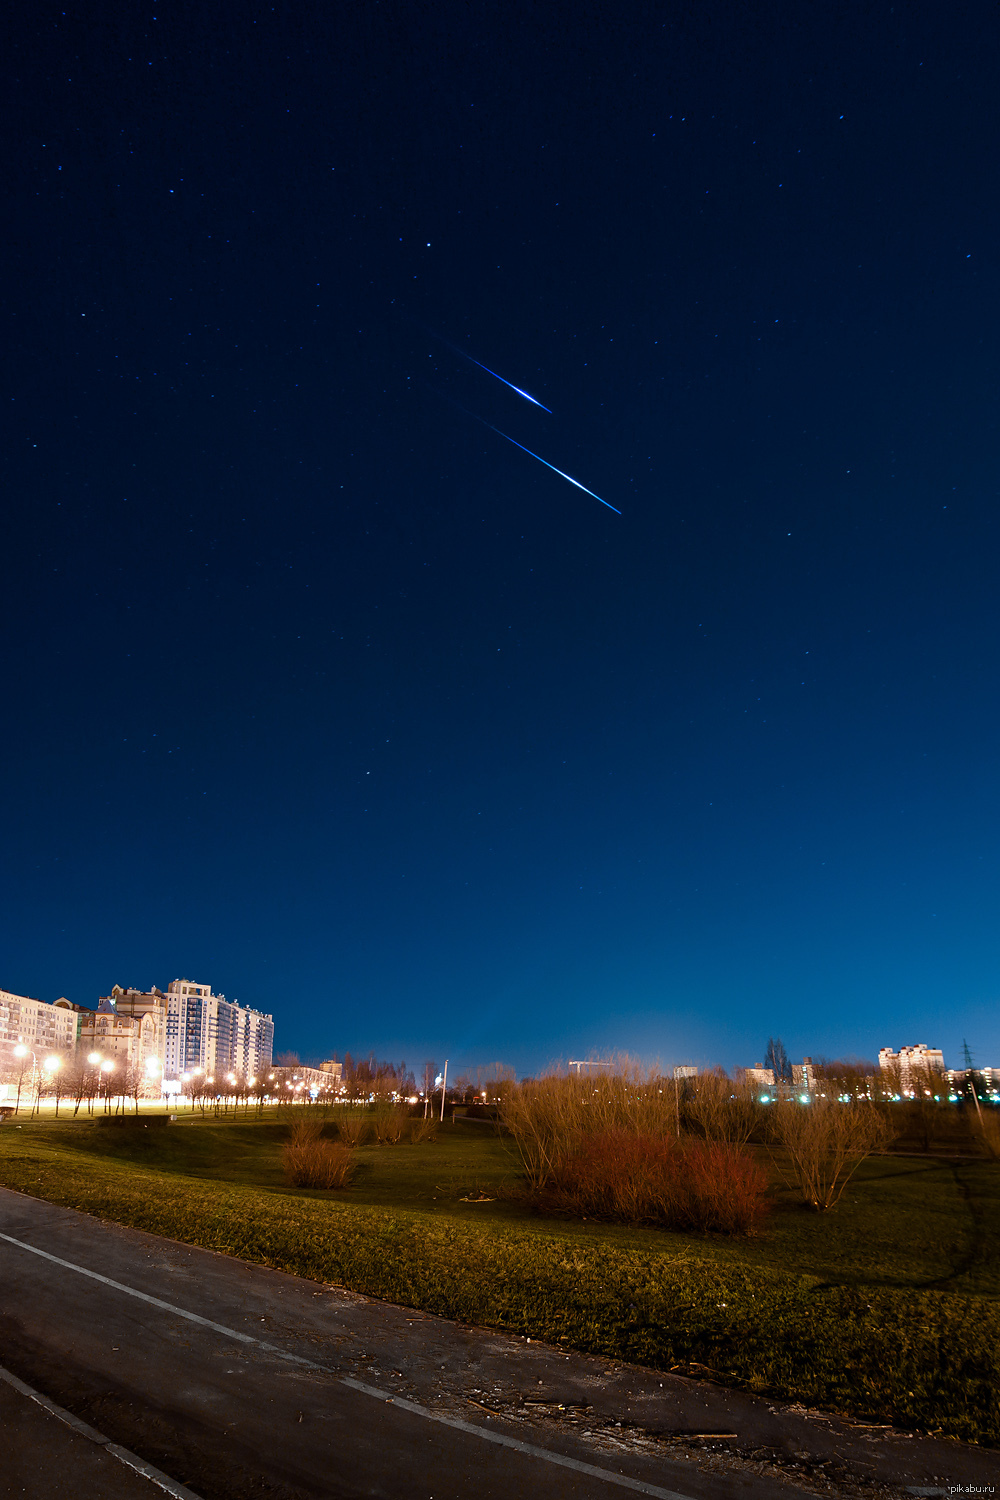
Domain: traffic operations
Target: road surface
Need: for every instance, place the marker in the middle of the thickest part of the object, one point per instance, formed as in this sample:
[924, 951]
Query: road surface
[238, 1381]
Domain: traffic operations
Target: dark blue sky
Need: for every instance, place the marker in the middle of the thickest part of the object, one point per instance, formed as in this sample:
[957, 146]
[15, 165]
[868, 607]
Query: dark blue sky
[318, 690]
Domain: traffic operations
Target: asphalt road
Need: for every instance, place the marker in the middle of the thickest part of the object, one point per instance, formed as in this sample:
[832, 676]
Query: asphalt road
[46, 1460]
[238, 1381]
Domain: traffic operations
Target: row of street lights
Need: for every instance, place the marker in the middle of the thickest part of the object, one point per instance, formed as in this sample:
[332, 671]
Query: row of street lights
[51, 1065]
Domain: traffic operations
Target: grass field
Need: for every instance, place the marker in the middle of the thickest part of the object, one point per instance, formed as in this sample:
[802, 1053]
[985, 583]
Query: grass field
[887, 1307]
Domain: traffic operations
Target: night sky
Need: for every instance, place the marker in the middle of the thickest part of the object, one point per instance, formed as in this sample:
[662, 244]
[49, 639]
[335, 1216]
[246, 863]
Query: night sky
[318, 690]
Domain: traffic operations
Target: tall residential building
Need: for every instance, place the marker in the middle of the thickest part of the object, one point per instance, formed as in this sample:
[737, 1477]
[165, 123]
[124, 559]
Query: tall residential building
[918, 1059]
[214, 1034]
[804, 1075]
[39, 1025]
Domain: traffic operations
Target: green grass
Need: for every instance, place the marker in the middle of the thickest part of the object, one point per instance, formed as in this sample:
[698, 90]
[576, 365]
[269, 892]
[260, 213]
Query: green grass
[888, 1307]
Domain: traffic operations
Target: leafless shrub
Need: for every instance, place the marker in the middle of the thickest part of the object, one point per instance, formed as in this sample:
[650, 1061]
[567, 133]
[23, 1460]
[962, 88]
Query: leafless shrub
[389, 1122]
[311, 1162]
[825, 1142]
[720, 1109]
[353, 1126]
[653, 1179]
[987, 1129]
[422, 1131]
[547, 1118]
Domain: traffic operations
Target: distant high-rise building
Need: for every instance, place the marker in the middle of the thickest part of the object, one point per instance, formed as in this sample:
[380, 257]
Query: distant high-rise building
[918, 1059]
[804, 1074]
[214, 1034]
[758, 1077]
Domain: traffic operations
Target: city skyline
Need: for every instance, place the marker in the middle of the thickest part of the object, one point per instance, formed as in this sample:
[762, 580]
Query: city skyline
[179, 1060]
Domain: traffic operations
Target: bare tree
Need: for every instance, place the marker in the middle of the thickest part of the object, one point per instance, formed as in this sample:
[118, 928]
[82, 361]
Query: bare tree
[776, 1058]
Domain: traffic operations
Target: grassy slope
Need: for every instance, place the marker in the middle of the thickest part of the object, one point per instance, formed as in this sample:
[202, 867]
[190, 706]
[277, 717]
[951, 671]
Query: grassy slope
[887, 1307]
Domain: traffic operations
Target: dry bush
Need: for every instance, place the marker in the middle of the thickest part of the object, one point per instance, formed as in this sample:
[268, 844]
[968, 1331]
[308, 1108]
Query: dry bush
[423, 1130]
[353, 1126]
[548, 1118]
[637, 1178]
[826, 1141]
[720, 1109]
[987, 1130]
[726, 1188]
[389, 1122]
[311, 1162]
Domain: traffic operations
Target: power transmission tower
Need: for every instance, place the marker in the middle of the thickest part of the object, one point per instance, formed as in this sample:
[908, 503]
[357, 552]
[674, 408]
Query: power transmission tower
[969, 1073]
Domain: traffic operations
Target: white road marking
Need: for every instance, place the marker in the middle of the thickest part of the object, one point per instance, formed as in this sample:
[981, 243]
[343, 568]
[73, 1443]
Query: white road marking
[532, 1450]
[230, 1333]
[124, 1455]
[498, 1438]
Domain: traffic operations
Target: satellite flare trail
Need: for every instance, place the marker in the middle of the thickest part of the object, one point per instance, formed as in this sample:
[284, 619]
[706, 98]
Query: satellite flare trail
[507, 383]
[552, 467]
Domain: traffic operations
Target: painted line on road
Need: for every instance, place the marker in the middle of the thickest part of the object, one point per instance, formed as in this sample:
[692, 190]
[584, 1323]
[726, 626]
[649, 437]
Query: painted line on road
[503, 1441]
[498, 1438]
[119, 1286]
[124, 1455]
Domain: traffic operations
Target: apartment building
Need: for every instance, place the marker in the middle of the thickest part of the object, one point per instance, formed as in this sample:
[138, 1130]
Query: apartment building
[804, 1075]
[141, 1005]
[44, 1027]
[301, 1080]
[131, 1042]
[910, 1063]
[208, 1032]
[758, 1077]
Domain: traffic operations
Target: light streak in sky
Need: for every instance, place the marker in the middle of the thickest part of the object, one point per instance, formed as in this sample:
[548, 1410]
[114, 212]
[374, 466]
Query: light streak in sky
[552, 467]
[507, 383]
